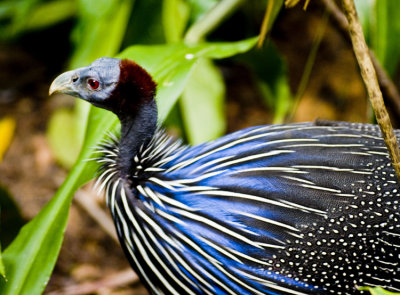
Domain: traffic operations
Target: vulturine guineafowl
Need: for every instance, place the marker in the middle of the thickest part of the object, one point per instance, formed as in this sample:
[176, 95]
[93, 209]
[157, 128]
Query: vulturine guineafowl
[307, 208]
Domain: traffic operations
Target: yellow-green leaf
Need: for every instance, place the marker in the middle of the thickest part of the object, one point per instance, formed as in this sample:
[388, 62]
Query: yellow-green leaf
[64, 145]
[202, 103]
[377, 291]
[175, 16]
[7, 127]
[2, 268]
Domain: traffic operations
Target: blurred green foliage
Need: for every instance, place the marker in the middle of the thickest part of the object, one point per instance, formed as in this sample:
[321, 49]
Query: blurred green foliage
[381, 25]
[2, 268]
[103, 27]
[21, 16]
[11, 220]
[38, 243]
[203, 97]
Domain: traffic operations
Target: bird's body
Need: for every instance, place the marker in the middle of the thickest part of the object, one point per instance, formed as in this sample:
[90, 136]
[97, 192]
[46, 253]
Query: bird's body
[289, 209]
[309, 208]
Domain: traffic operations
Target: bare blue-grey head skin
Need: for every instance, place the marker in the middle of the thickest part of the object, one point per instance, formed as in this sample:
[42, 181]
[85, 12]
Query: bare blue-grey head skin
[120, 86]
[77, 83]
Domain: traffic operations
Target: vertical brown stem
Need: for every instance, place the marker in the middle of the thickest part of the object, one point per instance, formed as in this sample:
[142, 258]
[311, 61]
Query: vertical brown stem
[369, 76]
[265, 22]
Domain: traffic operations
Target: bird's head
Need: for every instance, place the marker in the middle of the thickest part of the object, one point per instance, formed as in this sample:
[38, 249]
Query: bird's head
[121, 86]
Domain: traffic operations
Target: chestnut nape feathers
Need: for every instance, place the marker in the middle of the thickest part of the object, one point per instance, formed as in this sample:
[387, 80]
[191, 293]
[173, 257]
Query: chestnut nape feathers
[305, 208]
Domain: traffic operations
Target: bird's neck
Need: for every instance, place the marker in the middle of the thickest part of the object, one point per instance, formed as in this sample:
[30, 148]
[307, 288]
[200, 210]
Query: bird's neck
[136, 130]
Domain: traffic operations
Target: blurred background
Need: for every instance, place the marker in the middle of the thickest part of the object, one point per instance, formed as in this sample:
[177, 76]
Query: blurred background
[303, 71]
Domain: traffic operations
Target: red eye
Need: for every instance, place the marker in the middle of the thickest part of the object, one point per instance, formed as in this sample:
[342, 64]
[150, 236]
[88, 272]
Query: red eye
[94, 84]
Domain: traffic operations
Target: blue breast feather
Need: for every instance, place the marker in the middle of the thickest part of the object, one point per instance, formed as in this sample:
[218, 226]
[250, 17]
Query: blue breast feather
[286, 209]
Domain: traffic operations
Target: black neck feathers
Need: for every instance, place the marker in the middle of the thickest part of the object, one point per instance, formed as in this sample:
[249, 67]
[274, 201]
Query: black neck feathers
[135, 106]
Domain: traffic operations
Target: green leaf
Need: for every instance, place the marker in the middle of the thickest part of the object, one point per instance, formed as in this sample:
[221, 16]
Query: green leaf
[25, 15]
[11, 219]
[37, 245]
[377, 291]
[150, 13]
[30, 258]
[7, 9]
[2, 268]
[65, 145]
[202, 103]
[50, 13]
[19, 12]
[364, 9]
[386, 26]
[272, 10]
[175, 17]
[171, 65]
[200, 8]
[99, 32]
[98, 9]
[284, 100]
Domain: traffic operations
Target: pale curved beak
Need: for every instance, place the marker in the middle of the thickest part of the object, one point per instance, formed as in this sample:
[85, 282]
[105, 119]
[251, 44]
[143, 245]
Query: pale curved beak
[64, 83]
